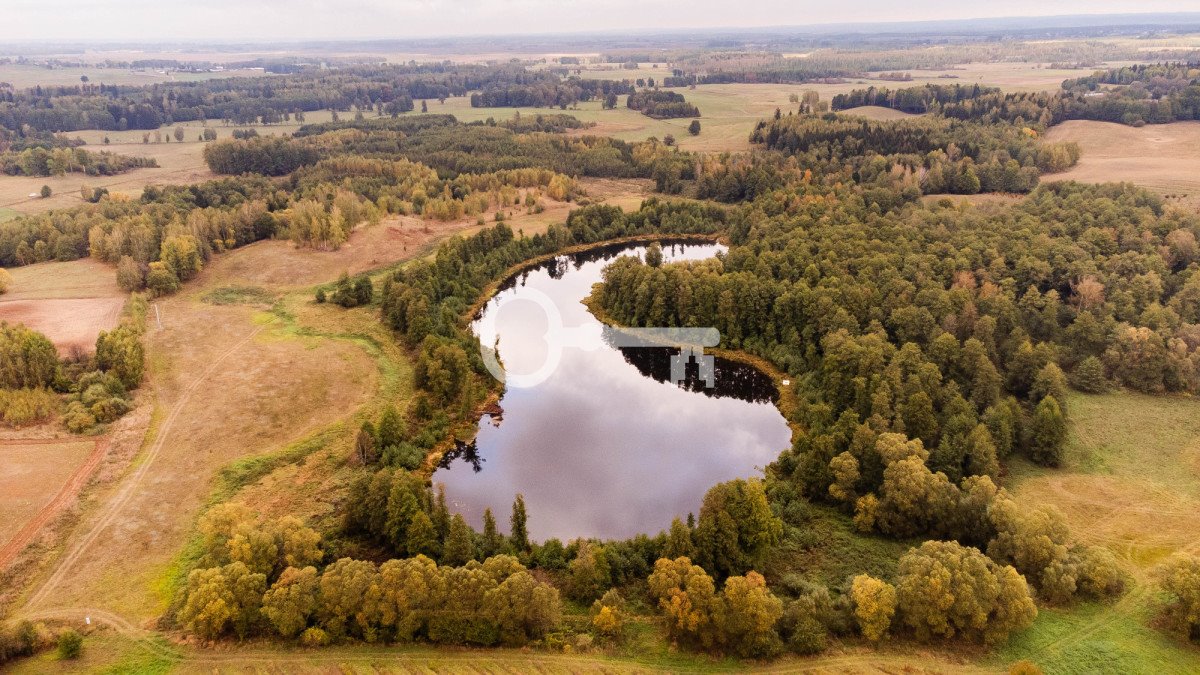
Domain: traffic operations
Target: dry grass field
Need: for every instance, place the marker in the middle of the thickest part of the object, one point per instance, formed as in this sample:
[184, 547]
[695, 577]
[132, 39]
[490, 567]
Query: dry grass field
[877, 113]
[1162, 157]
[21, 76]
[280, 265]
[178, 163]
[68, 302]
[225, 386]
[31, 474]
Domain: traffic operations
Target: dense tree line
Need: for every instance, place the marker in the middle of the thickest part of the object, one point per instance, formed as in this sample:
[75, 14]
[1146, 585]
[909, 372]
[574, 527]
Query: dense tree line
[930, 154]
[440, 142]
[269, 578]
[38, 161]
[1137, 95]
[543, 90]
[385, 89]
[915, 100]
[661, 104]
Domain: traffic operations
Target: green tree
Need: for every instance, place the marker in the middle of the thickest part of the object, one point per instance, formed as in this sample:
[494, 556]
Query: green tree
[588, 574]
[736, 527]
[1050, 381]
[1048, 433]
[944, 589]
[679, 541]
[421, 536]
[654, 254]
[460, 542]
[120, 352]
[518, 533]
[292, 600]
[1181, 583]
[687, 597]
[748, 616]
[219, 598]
[694, 128]
[345, 609]
[1089, 376]
[492, 541]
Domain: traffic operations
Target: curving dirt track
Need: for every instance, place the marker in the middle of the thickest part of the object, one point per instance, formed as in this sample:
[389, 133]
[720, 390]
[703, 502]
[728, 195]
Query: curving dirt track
[65, 495]
[131, 484]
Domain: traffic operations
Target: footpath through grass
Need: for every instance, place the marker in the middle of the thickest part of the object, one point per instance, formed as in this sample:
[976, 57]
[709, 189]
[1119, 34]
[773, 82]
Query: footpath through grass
[1131, 483]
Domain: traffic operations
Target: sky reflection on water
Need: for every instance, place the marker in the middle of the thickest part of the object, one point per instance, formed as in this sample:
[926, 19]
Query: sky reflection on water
[605, 447]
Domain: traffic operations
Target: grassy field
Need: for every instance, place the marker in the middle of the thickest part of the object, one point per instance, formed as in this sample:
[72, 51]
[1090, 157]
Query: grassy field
[1131, 483]
[1162, 157]
[70, 302]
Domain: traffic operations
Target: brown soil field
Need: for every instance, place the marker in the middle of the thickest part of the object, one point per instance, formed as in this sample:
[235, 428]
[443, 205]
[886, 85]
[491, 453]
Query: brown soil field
[32, 473]
[70, 302]
[1162, 157]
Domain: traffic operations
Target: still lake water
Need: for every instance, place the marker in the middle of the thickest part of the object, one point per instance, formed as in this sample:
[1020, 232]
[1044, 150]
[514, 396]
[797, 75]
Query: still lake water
[606, 446]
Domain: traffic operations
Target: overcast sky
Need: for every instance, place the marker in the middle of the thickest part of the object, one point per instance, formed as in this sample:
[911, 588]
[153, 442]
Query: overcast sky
[150, 20]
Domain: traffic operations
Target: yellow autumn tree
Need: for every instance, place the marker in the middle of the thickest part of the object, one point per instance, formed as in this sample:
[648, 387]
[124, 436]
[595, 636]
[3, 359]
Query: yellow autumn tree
[874, 605]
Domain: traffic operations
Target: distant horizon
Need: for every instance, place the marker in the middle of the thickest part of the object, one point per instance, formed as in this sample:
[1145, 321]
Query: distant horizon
[315, 21]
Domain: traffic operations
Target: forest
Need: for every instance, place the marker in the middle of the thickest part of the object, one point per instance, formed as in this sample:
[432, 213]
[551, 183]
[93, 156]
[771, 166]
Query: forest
[661, 104]
[925, 347]
[929, 154]
[1135, 96]
[386, 89]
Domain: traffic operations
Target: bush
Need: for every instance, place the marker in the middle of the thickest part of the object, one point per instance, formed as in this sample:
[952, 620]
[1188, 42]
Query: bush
[1181, 582]
[70, 645]
[314, 637]
[944, 589]
[19, 407]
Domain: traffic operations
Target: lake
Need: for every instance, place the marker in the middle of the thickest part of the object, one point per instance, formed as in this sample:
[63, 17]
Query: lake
[606, 446]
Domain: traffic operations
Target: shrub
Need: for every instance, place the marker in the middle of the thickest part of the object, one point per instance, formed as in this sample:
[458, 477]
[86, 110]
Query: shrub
[19, 407]
[1181, 582]
[70, 645]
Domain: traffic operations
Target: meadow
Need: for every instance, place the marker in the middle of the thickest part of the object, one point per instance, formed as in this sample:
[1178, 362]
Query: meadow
[1162, 157]
[1130, 483]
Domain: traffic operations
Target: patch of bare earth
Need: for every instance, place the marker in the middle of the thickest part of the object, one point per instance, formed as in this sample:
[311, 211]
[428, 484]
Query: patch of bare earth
[69, 303]
[31, 473]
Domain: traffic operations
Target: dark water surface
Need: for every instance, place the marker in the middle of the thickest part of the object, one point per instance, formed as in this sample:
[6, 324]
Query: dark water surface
[606, 446]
